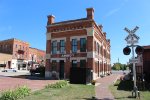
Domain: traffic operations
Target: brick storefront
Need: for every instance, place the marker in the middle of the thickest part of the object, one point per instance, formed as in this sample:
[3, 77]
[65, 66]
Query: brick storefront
[76, 43]
[20, 52]
[36, 56]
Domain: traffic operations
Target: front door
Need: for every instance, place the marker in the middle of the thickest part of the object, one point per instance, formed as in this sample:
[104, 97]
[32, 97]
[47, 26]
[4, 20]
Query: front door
[61, 69]
[9, 64]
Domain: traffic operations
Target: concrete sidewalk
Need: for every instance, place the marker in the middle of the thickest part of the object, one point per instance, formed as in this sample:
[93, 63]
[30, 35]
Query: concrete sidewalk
[102, 91]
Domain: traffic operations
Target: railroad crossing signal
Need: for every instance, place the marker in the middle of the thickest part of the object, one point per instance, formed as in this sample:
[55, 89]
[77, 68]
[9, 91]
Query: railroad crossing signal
[132, 38]
[131, 31]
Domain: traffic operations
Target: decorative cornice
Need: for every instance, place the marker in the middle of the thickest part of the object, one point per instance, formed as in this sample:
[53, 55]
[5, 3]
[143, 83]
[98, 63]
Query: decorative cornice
[69, 26]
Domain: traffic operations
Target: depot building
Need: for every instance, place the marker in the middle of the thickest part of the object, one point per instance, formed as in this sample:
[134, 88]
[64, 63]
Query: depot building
[76, 43]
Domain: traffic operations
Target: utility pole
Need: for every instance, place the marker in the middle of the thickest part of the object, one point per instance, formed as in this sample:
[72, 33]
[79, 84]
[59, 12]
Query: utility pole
[32, 61]
[118, 60]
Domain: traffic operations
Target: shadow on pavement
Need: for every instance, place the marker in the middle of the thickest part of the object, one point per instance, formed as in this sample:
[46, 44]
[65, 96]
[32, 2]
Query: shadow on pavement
[35, 77]
[125, 98]
[96, 99]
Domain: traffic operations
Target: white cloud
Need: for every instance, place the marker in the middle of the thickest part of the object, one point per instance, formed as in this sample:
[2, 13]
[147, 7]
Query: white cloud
[112, 12]
[115, 10]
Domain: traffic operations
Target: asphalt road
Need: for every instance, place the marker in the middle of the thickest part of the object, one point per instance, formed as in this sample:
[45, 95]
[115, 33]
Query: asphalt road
[3, 74]
[120, 72]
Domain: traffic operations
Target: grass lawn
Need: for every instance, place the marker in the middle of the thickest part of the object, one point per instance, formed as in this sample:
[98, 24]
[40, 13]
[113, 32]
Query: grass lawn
[71, 92]
[122, 91]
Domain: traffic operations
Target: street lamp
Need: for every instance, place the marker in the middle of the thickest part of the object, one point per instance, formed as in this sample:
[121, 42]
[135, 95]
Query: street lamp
[32, 60]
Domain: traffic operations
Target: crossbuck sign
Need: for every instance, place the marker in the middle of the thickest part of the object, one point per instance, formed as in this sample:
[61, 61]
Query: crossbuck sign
[132, 38]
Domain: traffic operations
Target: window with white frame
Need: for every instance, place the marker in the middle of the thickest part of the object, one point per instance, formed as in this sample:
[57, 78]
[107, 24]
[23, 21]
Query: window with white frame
[83, 45]
[74, 45]
[62, 46]
[54, 47]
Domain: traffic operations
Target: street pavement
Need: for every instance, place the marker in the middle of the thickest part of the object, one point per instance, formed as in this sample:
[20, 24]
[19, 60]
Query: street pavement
[102, 88]
[120, 71]
[3, 74]
[11, 80]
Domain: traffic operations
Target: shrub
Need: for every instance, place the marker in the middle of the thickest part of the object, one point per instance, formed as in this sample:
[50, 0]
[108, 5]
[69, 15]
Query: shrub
[18, 93]
[22, 92]
[57, 85]
[93, 82]
[7, 95]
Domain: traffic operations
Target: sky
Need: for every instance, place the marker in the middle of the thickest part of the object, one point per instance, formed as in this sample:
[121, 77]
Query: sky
[26, 20]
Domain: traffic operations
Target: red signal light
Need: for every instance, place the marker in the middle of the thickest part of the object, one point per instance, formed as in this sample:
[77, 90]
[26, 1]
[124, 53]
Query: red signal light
[126, 51]
[139, 50]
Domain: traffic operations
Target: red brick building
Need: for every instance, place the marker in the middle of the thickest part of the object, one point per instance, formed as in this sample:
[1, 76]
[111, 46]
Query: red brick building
[76, 43]
[36, 56]
[143, 65]
[20, 53]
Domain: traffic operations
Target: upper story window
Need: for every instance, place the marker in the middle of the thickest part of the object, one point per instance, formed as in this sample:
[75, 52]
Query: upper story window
[62, 46]
[54, 47]
[6, 46]
[1, 47]
[20, 46]
[101, 50]
[98, 46]
[16, 45]
[10, 47]
[83, 45]
[74, 45]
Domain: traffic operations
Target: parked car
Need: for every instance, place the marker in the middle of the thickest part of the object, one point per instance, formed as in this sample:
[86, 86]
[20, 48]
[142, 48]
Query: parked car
[9, 70]
[39, 70]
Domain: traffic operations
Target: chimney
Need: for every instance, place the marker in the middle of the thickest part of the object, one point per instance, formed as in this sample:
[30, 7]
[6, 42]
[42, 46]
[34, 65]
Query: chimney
[51, 19]
[90, 13]
[108, 40]
[101, 27]
[104, 34]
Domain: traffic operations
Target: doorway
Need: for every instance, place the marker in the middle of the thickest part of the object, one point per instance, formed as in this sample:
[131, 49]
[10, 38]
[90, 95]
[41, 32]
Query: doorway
[61, 69]
[9, 64]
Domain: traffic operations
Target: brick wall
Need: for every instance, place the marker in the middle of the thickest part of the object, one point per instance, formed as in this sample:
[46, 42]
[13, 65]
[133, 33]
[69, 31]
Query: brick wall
[79, 28]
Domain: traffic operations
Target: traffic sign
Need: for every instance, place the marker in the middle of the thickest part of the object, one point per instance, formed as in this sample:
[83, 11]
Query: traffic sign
[132, 38]
[133, 60]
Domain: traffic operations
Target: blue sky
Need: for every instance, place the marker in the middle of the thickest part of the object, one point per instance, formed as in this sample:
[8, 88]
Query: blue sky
[26, 20]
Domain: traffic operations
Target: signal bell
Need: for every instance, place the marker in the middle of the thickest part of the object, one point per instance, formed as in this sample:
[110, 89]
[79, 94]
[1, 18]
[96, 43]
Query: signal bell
[139, 50]
[126, 50]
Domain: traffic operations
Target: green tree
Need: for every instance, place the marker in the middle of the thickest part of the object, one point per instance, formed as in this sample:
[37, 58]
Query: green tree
[116, 66]
[119, 66]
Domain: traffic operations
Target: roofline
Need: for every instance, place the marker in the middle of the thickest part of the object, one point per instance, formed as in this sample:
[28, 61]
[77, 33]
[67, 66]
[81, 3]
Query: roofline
[37, 49]
[102, 33]
[12, 39]
[70, 22]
